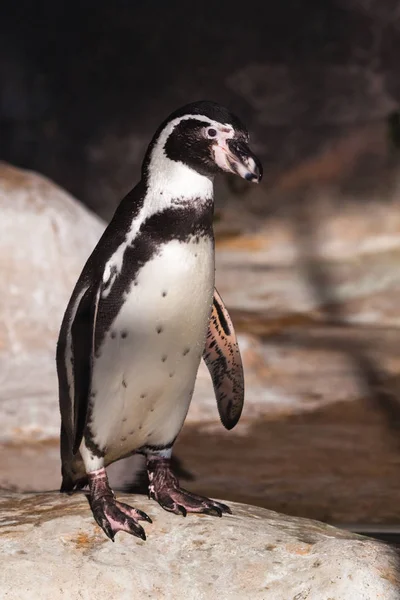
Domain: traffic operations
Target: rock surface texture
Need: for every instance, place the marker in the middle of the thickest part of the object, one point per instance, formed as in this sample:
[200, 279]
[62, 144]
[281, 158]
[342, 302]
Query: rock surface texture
[51, 549]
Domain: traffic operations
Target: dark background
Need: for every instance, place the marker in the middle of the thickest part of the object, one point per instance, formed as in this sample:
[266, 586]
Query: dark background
[84, 85]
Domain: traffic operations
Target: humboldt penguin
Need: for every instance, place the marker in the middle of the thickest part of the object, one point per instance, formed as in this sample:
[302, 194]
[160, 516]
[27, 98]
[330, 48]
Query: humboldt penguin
[144, 312]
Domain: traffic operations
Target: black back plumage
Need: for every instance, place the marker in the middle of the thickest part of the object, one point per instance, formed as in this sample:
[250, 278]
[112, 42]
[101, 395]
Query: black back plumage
[84, 340]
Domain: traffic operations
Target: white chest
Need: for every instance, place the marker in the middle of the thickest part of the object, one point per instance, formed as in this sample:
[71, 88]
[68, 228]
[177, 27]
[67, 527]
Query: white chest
[147, 365]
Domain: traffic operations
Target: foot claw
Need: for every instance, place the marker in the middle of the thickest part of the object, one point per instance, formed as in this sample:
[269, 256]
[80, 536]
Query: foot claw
[142, 516]
[135, 529]
[182, 510]
[134, 513]
[224, 508]
[214, 511]
[106, 527]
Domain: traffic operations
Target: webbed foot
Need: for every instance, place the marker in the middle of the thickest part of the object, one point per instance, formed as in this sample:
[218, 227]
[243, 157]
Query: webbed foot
[164, 487]
[113, 516]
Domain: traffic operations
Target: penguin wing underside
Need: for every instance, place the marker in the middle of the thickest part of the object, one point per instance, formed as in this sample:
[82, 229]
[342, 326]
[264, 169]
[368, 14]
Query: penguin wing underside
[222, 357]
[82, 334]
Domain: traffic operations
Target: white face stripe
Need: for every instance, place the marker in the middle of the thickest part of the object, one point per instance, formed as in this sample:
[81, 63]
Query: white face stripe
[169, 128]
[175, 178]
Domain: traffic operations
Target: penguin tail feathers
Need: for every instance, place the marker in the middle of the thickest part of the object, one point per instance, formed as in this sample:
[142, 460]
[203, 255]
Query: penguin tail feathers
[69, 485]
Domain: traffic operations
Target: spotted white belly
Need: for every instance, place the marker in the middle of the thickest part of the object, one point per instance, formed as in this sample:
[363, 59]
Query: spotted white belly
[144, 376]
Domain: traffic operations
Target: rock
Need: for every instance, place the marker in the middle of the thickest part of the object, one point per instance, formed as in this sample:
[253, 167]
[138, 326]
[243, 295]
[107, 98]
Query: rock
[45, 239]
[51, 548]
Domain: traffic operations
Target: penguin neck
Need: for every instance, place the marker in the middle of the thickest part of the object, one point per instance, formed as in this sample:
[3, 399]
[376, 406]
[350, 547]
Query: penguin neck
[170, 183]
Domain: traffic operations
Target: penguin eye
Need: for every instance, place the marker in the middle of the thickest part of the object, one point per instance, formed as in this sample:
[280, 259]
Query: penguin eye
[211, 132]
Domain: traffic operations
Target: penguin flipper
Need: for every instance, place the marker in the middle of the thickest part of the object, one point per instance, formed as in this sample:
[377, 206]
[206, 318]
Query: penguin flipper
[82, 335]
[222, 357]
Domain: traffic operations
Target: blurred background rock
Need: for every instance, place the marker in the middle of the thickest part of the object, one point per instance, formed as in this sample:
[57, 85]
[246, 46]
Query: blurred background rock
[308, 262]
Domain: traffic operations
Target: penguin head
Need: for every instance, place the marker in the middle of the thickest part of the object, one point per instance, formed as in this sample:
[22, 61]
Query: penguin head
[208, 139]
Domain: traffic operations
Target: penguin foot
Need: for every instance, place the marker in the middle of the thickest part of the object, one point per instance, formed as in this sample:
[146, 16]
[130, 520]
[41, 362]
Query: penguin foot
[113, 516]
[164, 488]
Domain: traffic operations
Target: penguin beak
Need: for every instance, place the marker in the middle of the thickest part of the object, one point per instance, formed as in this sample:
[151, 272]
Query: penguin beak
[236, 157]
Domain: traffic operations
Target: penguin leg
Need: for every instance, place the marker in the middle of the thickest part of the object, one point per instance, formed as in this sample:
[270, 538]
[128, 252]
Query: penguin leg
[111, 515]
[164, 487]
